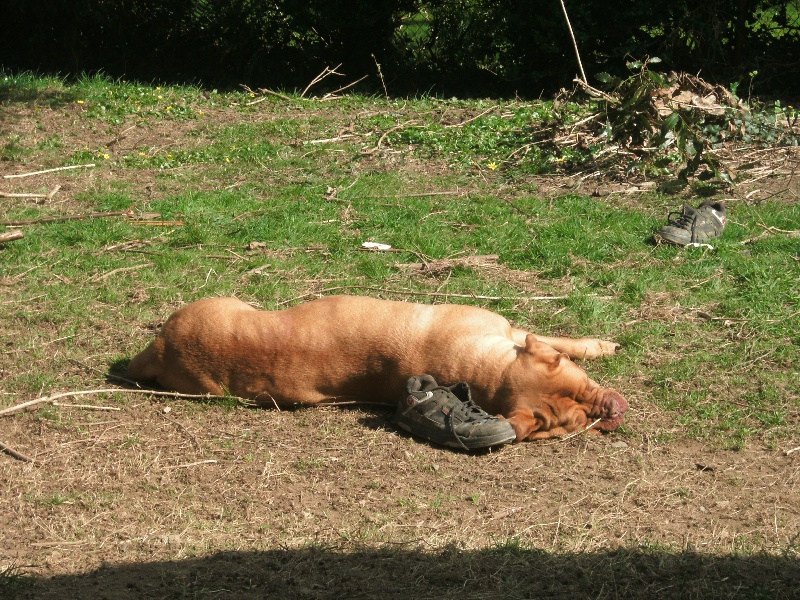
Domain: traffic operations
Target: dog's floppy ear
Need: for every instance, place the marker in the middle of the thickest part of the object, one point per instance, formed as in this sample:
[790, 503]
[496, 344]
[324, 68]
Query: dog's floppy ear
[531, 343]
[524, 424]
[544, 352]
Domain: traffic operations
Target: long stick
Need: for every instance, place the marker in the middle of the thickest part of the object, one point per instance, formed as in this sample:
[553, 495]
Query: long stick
[44, 399]
[11, 452]
[49, 171]
[10, 195]
[95, 215]
[10, 236]
[426, 294]
[574, 43]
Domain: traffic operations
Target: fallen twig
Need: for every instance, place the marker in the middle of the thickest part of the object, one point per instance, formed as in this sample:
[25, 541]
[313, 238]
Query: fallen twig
[49, 171]
[18, 455]
[446, 264]
[9, 195]
[10, 236]
[278, 94]
[105, 276]
[50, 399]
[420, 195]
[424, 294]
[86, 406]
[333, 139]
[383, 137]
[180, 426]
[768, 231]
[475, 118]
[95, 215]
[208, 461]
[157, 223]
[559, 440]
[49, 195]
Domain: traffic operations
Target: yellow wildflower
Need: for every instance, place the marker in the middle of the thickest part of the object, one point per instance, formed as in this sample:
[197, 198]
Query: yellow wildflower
[493, 166]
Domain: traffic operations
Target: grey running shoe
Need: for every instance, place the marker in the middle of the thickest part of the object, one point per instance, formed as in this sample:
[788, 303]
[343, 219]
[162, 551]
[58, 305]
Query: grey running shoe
[448, 416]
[695, 226]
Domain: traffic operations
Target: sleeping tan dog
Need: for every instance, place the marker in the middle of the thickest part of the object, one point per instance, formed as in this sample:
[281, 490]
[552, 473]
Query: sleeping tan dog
[349, 347]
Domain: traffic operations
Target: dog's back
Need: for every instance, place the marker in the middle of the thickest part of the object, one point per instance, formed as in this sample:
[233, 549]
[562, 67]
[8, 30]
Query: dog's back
[338, 346]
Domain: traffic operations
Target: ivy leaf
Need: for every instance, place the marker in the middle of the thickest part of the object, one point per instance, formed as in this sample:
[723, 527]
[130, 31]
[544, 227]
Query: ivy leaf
[671, 122]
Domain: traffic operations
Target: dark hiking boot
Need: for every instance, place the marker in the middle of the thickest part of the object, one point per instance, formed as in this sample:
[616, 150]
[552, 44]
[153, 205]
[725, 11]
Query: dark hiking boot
[448, 416]
[695, 225]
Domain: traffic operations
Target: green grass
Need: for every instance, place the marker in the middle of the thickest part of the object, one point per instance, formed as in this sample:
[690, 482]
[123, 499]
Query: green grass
[709, 336]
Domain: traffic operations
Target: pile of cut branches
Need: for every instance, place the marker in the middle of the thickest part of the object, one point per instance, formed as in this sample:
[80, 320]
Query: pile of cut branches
[676, 124]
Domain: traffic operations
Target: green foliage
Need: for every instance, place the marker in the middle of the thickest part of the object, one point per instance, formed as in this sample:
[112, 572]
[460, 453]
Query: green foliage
[449, 46]
[640, 112]
[631, 114]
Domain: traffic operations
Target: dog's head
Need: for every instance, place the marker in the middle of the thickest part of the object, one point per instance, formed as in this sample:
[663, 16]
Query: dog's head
[549, 395]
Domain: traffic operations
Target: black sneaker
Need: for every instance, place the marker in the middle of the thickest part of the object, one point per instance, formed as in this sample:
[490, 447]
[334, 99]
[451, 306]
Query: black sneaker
[695, 226]
[448, 416]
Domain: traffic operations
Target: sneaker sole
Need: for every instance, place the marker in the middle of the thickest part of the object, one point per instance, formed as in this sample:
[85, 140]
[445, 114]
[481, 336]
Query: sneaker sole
[470, 444]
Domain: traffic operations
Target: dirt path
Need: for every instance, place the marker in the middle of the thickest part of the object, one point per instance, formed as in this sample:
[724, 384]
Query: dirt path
[161, 495]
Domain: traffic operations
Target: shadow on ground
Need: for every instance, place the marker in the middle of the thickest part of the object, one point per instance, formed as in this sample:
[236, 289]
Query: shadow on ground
[502, 572]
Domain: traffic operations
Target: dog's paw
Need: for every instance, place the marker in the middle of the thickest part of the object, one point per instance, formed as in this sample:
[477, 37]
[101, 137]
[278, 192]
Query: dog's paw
[598, 348]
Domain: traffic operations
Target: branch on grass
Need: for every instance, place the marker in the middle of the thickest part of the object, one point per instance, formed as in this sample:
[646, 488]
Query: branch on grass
[447, 264]
[424, 294]
[105, 276]
[475, 118]
[9, 195]
[48, 196]
[383, 137]
[10, 236]
[51, 399]
[95, 215]
[209, 461]
[400, 196]
[562, 439]
[18, 455]
[87, 166]
[86, 406]
[265, 91]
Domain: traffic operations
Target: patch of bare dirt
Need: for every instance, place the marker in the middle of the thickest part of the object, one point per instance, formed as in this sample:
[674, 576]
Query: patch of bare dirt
[174, 486]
